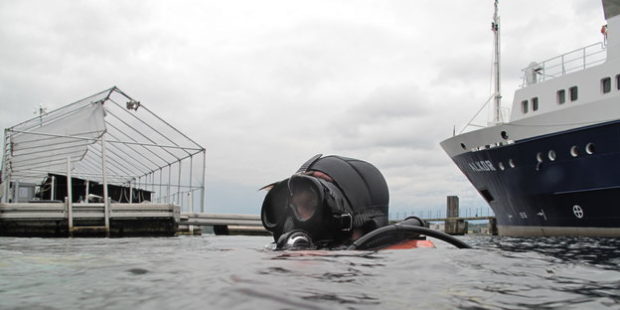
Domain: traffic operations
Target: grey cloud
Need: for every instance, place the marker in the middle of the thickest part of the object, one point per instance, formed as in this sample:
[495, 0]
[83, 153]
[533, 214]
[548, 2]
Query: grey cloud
[390, 117]
[394, 102]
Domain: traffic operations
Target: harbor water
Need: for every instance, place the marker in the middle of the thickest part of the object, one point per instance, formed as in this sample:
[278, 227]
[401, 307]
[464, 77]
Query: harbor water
[238, 272]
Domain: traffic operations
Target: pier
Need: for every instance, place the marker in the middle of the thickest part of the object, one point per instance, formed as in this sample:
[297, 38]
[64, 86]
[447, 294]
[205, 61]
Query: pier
[88, 219]
[244, 224]
[105, 165]
[225, 224]
[124, 220]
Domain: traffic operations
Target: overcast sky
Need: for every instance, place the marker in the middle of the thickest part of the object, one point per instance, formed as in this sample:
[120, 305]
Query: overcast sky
[264, 85]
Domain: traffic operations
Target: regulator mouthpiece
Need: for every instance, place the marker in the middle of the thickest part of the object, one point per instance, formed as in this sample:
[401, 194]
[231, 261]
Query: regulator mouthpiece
[295, 240]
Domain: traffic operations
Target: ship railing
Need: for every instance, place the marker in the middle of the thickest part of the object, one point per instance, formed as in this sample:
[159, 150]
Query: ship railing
[566, 63]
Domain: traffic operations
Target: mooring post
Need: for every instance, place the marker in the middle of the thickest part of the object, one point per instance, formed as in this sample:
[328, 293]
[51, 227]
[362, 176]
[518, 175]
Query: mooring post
[452, 212]
[492, 226]
[453, 206]
[453, 225]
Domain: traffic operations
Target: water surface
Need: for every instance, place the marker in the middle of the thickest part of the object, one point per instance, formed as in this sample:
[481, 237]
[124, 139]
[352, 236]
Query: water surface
[237, 272]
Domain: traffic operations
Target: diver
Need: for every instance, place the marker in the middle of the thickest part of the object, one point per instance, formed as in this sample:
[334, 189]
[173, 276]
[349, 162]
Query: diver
[335, 202]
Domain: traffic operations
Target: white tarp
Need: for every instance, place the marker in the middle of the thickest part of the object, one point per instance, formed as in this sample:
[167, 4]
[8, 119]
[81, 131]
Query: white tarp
[47, 146]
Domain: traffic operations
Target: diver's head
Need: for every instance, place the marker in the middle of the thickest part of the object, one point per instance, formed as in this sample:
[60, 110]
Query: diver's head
[326, 203]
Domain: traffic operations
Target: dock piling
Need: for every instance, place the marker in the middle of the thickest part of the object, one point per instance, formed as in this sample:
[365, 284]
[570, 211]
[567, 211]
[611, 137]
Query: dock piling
[454, 225]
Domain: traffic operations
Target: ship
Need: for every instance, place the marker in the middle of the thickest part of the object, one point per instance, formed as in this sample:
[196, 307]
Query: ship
[553, 168]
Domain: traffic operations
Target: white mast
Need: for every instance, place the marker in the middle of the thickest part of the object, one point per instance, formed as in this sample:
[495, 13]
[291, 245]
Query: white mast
[497, 113]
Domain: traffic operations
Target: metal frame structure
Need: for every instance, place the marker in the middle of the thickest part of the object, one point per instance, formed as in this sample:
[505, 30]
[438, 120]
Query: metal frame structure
[109, 138]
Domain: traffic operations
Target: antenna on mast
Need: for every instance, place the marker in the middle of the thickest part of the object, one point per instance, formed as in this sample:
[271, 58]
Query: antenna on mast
[497, 113]
[40, 111]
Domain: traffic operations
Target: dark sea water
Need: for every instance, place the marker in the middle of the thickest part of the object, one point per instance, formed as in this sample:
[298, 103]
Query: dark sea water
[237, 272]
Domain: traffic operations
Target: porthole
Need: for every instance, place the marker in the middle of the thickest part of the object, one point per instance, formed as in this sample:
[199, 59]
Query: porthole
[590, 148]
[539, 157]
[463, 146]
[501, 166]
[504, 135]
[511, 163]
[551, 155]
[574, 151]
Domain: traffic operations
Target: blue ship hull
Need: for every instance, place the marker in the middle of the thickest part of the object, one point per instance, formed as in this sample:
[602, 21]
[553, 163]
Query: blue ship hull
[565, 183]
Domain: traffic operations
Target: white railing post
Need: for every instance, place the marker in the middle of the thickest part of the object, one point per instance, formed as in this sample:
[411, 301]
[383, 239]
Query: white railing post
[87, 190]
[6, 174]
[584, 58]
[190, 200]
[16, 191]
[106, 216]
[168, 187]
[202, 190]
[53, 189]
[69, 199]
[130, 192]
[179, 186]
[160, 196]
[106, 201]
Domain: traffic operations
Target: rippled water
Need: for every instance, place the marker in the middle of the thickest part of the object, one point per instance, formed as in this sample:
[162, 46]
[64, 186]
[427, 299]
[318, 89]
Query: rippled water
[236, 272]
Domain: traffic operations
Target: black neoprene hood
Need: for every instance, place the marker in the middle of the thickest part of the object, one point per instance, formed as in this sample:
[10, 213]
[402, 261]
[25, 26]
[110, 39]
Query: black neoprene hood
[361, 183]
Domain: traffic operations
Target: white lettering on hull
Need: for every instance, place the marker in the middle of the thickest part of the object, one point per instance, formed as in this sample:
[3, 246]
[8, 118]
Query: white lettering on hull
[482, 165]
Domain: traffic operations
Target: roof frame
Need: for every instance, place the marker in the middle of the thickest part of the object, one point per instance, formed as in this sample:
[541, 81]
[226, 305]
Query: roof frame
[140, 145]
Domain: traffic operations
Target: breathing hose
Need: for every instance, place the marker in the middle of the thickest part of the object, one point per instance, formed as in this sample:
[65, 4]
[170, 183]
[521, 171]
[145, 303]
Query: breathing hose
[407, 229]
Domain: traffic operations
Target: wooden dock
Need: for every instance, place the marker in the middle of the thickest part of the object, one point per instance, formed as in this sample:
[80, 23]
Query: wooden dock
[57, 219]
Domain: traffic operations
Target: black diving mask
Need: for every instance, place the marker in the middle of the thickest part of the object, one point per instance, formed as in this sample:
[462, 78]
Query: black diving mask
[305, 211]
[306, 198]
